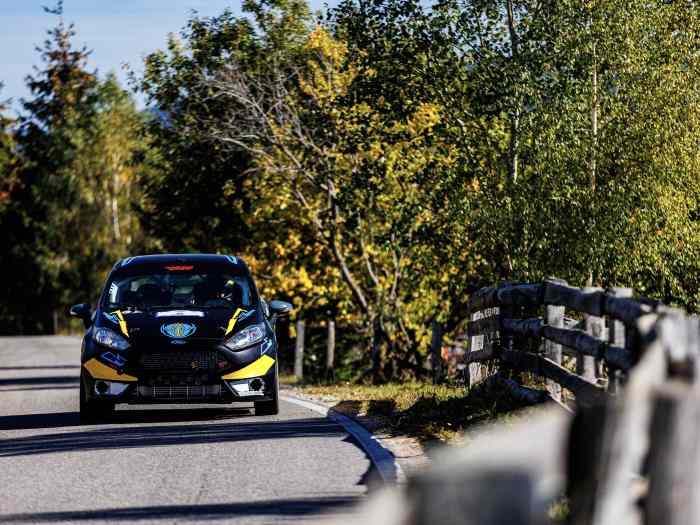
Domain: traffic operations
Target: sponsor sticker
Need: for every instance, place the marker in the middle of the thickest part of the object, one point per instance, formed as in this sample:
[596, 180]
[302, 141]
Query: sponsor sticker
[113, 358]
[246, 315]
[178, 330]
[180, 313]
[240, 314]
[111, 317]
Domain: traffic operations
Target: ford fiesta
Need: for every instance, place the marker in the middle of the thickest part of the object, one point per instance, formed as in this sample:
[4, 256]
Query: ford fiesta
[179, 329]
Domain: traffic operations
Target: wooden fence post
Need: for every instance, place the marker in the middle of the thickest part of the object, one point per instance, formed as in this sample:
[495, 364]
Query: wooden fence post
[616, 337]
[299, 351]
[674, 456]
[554, 316]
[435, 352]
[595, 326]
[330, 351]
[472, 372]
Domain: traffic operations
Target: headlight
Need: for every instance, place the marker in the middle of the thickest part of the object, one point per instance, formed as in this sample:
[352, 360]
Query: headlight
[246, 337]
[106, 337]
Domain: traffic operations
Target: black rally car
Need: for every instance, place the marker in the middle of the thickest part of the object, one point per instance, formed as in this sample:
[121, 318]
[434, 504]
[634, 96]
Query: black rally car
[179, 329]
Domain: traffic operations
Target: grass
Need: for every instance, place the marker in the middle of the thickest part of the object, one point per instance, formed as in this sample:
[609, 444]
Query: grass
[432, 414]
[559, 511]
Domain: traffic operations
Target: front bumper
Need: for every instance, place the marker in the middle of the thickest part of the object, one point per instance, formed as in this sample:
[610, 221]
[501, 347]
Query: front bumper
[148, 377]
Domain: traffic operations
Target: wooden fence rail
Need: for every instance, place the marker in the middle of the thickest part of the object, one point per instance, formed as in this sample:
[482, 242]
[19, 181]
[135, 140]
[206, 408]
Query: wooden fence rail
[629, 451]
[600, 336]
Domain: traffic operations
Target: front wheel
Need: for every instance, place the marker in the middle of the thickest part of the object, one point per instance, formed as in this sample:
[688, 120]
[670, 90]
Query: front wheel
[92, 411]
[272, 407]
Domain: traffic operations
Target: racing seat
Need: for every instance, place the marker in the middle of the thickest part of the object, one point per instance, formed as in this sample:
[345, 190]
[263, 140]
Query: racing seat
[236, 293]
[152, 295]
[130, 298]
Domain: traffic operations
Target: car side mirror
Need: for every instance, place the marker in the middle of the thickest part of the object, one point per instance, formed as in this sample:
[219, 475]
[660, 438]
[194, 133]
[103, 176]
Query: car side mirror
[280, 308]
[82, 311]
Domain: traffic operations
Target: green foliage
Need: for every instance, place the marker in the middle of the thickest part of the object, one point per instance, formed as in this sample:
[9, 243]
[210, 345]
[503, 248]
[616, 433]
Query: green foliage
[66, 210]
[377, 167]
[189, 168]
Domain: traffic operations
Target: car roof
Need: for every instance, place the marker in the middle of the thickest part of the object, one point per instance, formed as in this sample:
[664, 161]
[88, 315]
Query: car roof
[158, 261]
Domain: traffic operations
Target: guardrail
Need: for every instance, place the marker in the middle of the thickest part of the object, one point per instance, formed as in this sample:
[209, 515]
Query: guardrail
[630, 453]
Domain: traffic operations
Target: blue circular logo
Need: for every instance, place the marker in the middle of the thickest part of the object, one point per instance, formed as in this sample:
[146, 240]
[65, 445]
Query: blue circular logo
[178, 330]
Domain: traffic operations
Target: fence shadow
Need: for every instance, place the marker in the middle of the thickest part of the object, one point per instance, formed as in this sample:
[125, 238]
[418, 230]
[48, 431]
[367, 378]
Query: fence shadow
[42, 380]
[480, 405]
[298, 507]
[39, 367]
[122, 437]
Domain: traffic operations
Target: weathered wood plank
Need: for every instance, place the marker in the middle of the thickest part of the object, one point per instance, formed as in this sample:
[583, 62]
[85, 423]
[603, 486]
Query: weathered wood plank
[479, 356]
[474, 372]
[557, 293]
[626, 432]
[554, 317]
[586, 393]
[436, 352]
[625, 309]
[499, 478]
[594, 327]
[526, 327]
[576, 339]
[674, 456]
[483, 326]
[520, 295]
[483, 298]
[617, 337]
[586, 443]
[531, 396]
[299, 350]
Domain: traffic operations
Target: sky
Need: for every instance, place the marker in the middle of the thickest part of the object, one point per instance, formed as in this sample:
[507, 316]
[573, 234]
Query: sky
[117, 32]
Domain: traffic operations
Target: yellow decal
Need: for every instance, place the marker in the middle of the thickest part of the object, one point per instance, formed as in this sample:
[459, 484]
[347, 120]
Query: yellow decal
[255, 369]
[101, 371]
[122, 322]
[232, 321]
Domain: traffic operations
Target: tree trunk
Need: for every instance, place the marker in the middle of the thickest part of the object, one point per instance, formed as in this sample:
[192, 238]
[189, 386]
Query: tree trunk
[594, 152]
[377, 337]
[514, 143]
[115, 208]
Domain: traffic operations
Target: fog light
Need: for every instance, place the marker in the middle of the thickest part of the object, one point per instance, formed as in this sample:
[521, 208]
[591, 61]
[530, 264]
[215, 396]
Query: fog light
[247, 387]
[110, 388]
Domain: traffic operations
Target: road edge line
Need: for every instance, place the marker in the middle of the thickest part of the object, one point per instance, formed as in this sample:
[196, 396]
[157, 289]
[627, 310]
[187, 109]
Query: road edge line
[389, 469]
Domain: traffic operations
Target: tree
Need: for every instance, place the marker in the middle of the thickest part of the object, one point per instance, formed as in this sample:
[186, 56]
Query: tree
[242, 215]
[76, 141]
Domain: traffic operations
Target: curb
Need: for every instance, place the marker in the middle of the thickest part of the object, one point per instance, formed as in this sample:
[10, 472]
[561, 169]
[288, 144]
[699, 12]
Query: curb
[385, 462]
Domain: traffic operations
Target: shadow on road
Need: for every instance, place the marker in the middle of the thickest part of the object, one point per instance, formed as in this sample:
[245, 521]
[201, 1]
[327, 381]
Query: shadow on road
[71, 419]
[158, 436]
[36, 421]
[283, 507]
[47, 367]
[47, 380]
[45, 387]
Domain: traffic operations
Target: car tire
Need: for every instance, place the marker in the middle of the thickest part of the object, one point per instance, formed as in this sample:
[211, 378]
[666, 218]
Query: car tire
[272, 407]
[92, 411]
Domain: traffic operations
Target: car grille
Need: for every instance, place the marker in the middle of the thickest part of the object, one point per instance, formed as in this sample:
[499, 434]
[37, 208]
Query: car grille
[184, 360]
[179, 392]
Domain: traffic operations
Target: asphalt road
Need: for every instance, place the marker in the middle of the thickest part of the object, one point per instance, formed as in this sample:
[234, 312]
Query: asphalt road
[161, 464]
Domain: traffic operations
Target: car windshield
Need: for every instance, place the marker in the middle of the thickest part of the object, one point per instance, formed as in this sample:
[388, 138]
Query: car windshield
[178, 290]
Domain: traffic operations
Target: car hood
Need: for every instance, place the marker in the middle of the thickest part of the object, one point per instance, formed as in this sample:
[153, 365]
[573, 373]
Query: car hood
[179, 325]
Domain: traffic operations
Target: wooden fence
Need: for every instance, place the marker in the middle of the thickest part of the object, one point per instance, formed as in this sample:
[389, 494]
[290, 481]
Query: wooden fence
[629, 453]
[300, 344]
